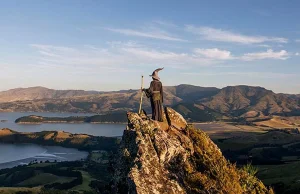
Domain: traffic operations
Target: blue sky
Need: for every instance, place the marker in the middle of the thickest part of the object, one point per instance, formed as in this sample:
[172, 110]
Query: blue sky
[108, 45]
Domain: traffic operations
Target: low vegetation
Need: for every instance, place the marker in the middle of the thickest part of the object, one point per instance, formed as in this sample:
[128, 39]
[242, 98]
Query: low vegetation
[208, 170]
[79, 177]
[274, 155]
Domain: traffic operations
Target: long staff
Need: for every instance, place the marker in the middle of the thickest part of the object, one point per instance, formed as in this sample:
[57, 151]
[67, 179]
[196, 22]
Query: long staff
[141, 100]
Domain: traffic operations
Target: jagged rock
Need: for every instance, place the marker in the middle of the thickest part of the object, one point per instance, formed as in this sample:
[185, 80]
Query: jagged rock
[177, 159]
[175, 119]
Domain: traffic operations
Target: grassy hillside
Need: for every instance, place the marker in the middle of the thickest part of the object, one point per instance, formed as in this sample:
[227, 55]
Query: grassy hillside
[275, 154]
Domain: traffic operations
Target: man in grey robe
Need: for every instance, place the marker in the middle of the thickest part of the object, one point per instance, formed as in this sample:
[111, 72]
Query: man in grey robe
[155, 93]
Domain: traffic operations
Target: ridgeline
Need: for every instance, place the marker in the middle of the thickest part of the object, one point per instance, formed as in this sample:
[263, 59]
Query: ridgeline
[193, 102]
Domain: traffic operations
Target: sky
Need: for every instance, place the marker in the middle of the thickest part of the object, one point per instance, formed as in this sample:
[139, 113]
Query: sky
[107, 45]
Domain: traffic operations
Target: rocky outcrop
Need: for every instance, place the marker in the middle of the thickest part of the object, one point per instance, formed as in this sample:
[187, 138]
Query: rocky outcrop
[174, 158]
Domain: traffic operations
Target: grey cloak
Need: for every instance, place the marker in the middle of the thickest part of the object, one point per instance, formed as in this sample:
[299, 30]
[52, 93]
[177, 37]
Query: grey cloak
[155, 93]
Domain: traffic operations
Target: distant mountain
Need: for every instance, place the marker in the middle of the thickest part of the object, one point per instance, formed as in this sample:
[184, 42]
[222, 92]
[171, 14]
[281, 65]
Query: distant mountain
[238, 100]
[190, 93]
[231, 102]
[204, 102]
[197, 112]
[184, 91]
[35, 93]
[42, 99]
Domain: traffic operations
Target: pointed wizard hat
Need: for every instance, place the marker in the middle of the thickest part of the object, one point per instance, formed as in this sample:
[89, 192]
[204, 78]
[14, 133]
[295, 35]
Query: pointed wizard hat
[155, 73]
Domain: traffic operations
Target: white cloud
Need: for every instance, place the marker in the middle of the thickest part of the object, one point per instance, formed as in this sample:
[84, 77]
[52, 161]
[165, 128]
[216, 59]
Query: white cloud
[264, 45]
[150, 33]
[115, 55]
[164, 23]
[243, 74]
[269, 54]
[297, 54]
[297, 40]
[47, 53]
[176, 60]
[214, 53]
[227, 36]
[50, 47]
[123, 56]
[154, 54]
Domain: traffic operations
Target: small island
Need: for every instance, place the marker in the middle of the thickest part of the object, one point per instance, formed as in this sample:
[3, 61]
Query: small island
[105, 118]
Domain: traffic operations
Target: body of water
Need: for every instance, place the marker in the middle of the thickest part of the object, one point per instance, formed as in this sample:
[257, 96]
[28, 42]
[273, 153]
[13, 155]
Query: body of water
[21, 154]
[109, 130]
[18, 154]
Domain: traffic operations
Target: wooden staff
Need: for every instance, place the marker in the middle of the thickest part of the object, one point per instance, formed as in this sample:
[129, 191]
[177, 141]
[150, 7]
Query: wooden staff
[141, 101]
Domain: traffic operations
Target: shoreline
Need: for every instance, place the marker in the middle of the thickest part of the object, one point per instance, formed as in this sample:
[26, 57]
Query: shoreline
[94, 119]
[65, 122]
[52, 154]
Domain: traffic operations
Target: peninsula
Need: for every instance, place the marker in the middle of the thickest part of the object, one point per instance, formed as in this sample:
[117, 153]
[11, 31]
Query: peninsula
[106, 118]
[60, 138]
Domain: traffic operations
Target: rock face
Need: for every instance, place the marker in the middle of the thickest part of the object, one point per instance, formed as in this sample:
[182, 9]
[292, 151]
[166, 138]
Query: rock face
[174, 158]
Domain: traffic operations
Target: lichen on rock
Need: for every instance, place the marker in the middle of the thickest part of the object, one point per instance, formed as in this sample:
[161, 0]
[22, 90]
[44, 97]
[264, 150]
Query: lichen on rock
[174, 158]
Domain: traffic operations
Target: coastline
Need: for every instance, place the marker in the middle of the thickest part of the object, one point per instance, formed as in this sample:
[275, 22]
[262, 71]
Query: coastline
[66, 122]
[51, 154]
[119, 118]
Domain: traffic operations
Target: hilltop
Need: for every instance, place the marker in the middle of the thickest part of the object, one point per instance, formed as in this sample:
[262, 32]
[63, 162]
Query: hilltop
[174, 158]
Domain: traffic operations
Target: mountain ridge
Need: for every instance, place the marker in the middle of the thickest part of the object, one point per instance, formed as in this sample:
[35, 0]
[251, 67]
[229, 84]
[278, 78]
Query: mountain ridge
[57, 94]
[231, 101]
[39, 92]
[178, 90]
